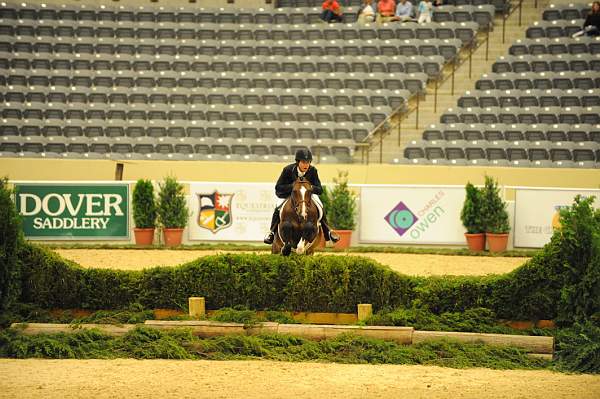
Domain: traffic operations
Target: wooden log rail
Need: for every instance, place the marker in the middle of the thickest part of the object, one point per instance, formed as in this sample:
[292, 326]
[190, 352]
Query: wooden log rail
[540, 346]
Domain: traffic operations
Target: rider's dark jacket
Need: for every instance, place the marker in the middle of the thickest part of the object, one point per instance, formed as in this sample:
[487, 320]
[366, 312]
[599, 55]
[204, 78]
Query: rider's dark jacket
[289, 174]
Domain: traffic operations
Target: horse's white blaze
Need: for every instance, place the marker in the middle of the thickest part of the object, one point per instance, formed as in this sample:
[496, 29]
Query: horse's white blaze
[303, 192]
[300, 248]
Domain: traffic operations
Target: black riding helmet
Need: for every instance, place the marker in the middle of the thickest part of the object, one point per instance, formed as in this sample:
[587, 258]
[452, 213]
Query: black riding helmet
[303, 154]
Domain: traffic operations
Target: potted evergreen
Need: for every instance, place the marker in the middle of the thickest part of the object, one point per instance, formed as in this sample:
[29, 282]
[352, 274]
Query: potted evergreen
[471, 218]
[495, 217]
[342, 209]
[144, 212]
[172, 210]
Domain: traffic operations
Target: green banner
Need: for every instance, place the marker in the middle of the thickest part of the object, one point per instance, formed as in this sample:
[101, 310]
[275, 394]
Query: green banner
[73, 211]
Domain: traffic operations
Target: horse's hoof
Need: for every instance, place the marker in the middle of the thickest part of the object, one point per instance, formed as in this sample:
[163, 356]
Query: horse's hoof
[286, 250]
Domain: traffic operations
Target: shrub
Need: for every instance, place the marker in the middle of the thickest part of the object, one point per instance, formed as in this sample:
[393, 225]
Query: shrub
[172, 207]
[11, 238]
[578, 348]
[144, 205]
[578, 242]
[471, 214]
[342, 204]
[495, 217]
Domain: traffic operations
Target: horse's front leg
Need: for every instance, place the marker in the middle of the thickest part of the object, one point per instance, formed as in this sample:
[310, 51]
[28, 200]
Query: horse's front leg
[287, 231]
[308, 234]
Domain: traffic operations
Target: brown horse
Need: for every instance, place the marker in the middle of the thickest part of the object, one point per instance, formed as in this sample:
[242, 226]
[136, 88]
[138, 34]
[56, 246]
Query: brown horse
[299, 228]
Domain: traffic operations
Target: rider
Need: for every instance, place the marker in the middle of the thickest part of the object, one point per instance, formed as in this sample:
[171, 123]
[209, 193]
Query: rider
[283, 189]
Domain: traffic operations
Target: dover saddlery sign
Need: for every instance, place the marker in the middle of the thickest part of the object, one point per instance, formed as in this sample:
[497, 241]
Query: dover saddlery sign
[74, 211]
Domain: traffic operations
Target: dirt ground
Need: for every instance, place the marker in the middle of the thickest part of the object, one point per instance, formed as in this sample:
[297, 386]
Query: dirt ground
[411, 264]
[266, 379]
[34, 378]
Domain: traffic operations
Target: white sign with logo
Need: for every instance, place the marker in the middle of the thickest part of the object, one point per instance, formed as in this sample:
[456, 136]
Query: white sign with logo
[411, 214]
[230, 211]
[537, 213]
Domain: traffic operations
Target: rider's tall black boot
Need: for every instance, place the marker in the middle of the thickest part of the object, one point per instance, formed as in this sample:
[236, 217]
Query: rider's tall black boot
[329, 234]
[270, 237]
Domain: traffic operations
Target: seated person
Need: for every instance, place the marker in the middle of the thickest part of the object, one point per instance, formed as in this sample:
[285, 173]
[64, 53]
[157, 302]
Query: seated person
[386, 10]
[366, 13]
[425, 12]
[404, 11]
[283, 189]
[332, 12]
[591, 26]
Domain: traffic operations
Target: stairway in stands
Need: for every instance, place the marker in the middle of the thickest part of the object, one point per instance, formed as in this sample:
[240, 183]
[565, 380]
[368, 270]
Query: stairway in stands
[393, 143]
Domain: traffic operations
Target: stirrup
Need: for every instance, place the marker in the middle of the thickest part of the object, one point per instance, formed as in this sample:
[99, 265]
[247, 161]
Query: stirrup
[333, 236]
[269, 238]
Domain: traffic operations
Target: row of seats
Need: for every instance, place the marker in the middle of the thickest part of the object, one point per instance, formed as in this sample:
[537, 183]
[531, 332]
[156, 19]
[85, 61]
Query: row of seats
[448, 48]
[512, 156]
[105, 67]
[51, 29]
[570, 11]
[562, 45]
[483, 14]
[500, 5]
[124, 150]
[530, 98]
[552, 29]
[547, 63]
[529, 115]
[209, 112]
[338, 133]
[393, 99]
[584, 80]
[585, 134]
[413, 82]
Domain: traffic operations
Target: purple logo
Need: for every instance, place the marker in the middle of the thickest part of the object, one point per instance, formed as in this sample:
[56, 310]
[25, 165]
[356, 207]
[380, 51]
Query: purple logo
[401, 218]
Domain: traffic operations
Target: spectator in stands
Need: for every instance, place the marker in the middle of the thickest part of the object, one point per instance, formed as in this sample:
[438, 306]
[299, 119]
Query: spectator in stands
[425, 12]
[386, 10]
[591, 26]
[366, 13]
[404, 11]
[283, 189]
[332, 12]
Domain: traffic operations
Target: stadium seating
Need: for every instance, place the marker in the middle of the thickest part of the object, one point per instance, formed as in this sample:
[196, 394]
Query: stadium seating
[207, 83]
[539, 107]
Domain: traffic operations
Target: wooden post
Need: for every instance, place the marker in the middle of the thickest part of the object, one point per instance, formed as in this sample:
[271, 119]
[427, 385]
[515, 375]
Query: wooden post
[197, 308]
[365, 310]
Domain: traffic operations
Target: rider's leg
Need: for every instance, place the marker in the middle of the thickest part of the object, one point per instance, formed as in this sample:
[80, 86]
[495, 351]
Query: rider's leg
[327, 232]
[270, 237]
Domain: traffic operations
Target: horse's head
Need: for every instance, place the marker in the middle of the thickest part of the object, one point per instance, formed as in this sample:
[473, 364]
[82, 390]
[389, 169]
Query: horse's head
[301, 197]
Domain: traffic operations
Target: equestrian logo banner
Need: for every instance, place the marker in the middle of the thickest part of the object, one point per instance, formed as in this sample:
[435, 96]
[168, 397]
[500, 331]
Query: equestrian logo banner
[215, 211]
[401, 218]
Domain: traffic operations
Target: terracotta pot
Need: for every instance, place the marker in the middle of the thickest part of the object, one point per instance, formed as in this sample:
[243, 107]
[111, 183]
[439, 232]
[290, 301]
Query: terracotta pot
[345, 237]
[322, 242]
[172, 237]
[143, 236]
[497, 242]
[476, 242]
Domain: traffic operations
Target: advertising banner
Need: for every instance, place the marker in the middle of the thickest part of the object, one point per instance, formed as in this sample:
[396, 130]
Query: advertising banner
[74, 211]
[537, 213]
[417, 214]
[230, 211]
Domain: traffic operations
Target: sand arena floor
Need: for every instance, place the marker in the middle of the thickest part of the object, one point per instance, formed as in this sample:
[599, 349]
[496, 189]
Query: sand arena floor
[411, 264]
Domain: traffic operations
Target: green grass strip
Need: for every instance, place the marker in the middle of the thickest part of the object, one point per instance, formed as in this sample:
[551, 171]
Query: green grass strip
[148, 343]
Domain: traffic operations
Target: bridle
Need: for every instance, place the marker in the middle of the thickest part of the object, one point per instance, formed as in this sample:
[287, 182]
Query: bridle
[296, 205]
